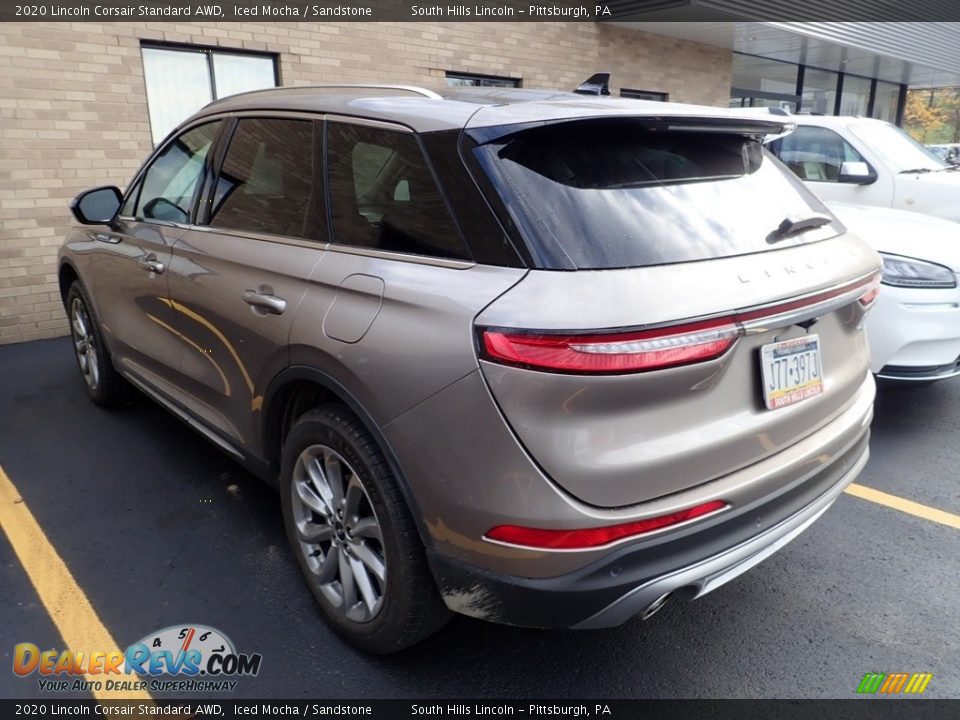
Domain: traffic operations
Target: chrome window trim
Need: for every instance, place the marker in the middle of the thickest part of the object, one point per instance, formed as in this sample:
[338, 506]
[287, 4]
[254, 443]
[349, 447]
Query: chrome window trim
[402, 257]
[336, 247]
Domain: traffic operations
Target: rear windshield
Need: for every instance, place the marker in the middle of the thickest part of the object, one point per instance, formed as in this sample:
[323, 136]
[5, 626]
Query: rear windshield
[615, 193]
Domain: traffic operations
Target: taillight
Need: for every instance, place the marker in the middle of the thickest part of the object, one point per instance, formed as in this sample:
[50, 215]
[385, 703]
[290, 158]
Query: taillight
[584, 538]
[658, 348]
[613, 353]
[872, 292]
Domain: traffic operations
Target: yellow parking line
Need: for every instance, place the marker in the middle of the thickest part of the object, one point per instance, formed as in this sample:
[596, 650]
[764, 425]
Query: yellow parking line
[67, 605]
[907, 506]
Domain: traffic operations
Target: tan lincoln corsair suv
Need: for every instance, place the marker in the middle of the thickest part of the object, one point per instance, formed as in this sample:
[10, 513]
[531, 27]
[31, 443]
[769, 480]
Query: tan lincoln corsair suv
[540, 358]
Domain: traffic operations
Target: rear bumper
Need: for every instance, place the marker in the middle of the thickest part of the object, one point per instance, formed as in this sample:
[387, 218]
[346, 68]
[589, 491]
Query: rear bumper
[629, 580]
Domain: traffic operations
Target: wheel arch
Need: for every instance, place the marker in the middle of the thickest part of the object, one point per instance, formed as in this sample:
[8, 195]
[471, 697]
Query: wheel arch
[66, 275]
[298, 389]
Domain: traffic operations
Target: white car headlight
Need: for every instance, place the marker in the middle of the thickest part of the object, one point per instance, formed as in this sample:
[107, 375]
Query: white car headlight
[909, 272]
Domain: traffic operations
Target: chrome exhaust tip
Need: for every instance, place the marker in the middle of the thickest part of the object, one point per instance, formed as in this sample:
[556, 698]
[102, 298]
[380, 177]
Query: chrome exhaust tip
[655, 607]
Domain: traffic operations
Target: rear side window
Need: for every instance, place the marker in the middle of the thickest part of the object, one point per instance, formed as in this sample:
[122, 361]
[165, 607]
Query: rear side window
[266, 183]
[383, 195]
[169, 184]
[815, 154]
[614, 193]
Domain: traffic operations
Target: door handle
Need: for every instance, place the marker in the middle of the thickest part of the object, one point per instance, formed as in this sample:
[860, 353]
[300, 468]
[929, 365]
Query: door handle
[107, 238]
[265, 302]
[151, 264]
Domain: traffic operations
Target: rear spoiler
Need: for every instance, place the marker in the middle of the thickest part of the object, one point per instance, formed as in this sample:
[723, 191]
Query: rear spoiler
[758, 129]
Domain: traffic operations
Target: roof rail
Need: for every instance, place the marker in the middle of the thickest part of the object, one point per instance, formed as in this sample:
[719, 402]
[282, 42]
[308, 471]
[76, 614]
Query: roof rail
[412, 89]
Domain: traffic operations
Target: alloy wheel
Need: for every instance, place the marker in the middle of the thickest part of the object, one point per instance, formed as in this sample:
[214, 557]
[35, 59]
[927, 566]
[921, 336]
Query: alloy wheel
[339, 533]
[84, 343]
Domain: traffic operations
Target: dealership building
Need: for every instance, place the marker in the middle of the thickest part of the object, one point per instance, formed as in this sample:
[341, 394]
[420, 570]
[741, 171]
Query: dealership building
[83, 103]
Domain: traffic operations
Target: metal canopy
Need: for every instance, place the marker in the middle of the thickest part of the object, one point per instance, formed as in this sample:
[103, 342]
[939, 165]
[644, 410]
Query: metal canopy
[919, 54]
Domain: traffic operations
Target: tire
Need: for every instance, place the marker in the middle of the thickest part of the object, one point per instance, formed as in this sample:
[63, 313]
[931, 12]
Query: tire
[104, 385]
[389, 600]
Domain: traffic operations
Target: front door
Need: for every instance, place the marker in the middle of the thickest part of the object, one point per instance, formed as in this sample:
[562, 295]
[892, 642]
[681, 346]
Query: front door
[131, 268]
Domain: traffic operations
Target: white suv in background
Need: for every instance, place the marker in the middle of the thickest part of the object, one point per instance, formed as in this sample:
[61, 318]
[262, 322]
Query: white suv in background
[914, 328]
[869, 162]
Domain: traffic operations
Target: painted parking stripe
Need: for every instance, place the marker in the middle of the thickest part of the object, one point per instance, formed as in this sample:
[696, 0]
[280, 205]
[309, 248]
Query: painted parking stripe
[906, 506]
[65, 602]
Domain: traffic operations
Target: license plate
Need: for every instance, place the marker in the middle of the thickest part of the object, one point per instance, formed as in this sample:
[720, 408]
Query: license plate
[791, 371]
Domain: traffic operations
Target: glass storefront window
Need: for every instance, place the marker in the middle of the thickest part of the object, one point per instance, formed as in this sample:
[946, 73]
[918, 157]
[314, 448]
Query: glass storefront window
[766, 76]
[819, 91]
[885, 101]
[855, 98]
[761, 82]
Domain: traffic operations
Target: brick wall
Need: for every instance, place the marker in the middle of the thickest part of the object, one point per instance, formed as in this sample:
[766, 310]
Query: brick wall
[73, 110]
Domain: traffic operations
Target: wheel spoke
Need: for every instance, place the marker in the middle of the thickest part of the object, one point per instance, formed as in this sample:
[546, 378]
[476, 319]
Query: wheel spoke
[309, 497]
[353, 496]
[367, 528]
[327, 572]
[92, 364]
[320, 481]
[364, 584]
[369, 558]
[314, 532]
[334, 473]
[346, 583]
[81, 322]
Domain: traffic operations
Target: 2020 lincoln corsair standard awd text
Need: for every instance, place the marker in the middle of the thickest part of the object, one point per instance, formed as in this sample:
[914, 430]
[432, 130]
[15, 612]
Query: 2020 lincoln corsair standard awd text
[538, 358]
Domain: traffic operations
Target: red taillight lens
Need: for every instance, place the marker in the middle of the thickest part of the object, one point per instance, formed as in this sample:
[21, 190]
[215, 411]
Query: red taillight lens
[595, 537]
[615, 353]
[637, 351]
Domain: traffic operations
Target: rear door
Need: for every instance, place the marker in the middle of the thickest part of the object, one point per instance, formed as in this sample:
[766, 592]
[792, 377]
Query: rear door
[237, 278]
[389, 311]
[133, 300]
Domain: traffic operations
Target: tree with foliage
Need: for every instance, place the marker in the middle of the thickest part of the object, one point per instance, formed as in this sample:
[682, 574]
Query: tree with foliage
[932, 115]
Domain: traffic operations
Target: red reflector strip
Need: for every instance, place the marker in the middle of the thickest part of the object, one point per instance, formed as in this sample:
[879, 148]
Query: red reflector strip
[582, 538]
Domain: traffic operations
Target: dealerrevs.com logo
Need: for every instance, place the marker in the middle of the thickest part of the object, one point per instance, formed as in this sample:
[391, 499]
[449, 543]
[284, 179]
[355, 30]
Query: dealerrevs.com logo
[201, 658]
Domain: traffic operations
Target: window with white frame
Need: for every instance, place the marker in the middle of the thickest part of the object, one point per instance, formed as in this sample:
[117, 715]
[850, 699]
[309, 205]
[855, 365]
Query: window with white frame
[182, 79]
[459, 79]
[644, 94]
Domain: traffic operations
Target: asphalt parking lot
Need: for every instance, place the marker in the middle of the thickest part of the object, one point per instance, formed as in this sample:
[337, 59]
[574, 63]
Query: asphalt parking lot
[159, 528]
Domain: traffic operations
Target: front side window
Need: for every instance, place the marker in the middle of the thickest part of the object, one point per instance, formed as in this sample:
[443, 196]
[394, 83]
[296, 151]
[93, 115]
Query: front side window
[383, 195]
[898, 150]
[612, 193]
[266, 183]
[815, 153]
[167, 189]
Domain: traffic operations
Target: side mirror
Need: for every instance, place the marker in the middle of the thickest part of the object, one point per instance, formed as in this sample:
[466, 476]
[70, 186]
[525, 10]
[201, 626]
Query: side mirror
[98, 206]
[859, 173]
